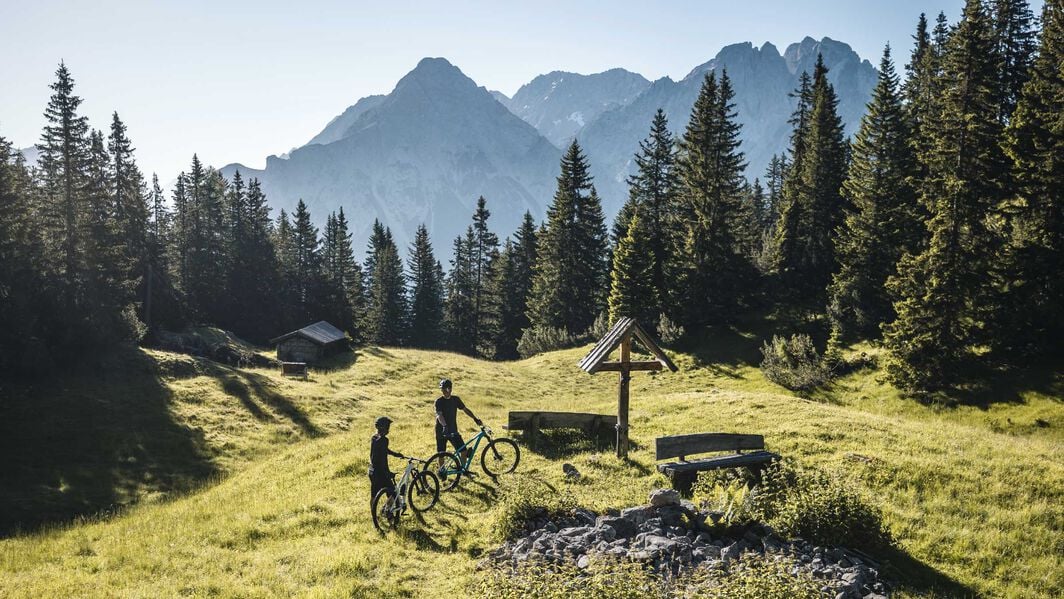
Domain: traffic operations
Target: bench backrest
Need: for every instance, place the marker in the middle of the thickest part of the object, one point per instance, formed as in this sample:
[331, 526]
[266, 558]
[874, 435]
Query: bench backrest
[519, 421]
[686, 445]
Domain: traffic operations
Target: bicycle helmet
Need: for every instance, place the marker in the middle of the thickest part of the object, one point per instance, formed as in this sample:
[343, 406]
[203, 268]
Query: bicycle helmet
[382, 421]
[445, 384]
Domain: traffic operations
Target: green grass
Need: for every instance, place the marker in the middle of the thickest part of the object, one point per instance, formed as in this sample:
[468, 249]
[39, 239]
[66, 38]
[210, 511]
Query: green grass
[244, 484]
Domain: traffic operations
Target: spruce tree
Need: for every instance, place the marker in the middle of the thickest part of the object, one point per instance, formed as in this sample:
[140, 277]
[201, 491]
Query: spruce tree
[946, 294]
[461, 310]
[426, 293]
[774, 176]
[884, 222]
[571, 269]
[306, 263]
[1016, 36]
[713, 273]
[632, 291]
[513, 286]
[785, 251]
[486, 305]
[1035, 143]
[386, 296]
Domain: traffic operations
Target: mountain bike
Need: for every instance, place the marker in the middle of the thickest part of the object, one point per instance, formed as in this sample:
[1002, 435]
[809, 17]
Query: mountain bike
[500, 456]
[418, 489]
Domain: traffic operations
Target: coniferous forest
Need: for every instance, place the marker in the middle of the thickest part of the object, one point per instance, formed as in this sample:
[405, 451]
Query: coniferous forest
[936, 230]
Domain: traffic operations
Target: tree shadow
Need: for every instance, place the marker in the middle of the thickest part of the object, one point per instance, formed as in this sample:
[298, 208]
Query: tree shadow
[913, 576]
[377, 352]
[340, 361]
[93, 442]
[1041, 376]
[248, 386]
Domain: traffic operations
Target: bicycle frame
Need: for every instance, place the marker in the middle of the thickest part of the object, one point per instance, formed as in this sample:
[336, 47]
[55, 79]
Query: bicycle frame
[398, 501]
[475, 441]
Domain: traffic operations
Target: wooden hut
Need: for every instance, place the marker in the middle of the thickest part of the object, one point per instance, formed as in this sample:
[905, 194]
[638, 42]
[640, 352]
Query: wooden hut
[310, 343]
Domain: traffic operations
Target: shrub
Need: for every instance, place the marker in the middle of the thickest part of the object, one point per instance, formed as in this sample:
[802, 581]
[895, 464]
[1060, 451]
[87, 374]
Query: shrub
[603, 579]
[599, 328]
[732, 500]
[794, 363]
[753, 577]
[668, 331]
[536, 340]
[524, 499]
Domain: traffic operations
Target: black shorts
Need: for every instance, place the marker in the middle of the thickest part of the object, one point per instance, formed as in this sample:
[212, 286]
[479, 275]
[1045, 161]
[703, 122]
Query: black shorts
[381, 481]
[441, 440]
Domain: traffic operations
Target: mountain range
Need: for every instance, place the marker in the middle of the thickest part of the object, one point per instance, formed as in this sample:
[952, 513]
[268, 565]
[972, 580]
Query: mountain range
[426, 151]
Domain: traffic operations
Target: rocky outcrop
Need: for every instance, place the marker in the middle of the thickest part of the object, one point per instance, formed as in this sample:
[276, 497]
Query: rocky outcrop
[671, 536]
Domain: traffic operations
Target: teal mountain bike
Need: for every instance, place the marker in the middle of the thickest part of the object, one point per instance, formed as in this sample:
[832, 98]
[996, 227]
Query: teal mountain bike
[500, 456]
[419, 490]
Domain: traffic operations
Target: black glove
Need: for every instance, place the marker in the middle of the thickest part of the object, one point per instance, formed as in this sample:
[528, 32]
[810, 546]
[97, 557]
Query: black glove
[478, 421]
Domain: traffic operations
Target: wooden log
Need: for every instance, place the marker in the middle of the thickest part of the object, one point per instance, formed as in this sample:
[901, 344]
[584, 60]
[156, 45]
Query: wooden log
[685, 445]
[617, 366]
[622, 397]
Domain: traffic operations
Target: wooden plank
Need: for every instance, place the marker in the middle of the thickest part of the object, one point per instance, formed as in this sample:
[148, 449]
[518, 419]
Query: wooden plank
[652, 346]
[685, 445]
[714, 463]
[617, 366]
[523, 420]
[622, 397]
[606, 345]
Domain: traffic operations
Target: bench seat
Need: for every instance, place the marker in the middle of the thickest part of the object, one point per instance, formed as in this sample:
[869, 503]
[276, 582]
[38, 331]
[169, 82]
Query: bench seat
[684, 471]
[734, 460]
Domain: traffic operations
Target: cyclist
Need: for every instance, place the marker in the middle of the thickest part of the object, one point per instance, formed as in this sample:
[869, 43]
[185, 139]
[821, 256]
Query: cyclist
[380, 476]
[447, 406]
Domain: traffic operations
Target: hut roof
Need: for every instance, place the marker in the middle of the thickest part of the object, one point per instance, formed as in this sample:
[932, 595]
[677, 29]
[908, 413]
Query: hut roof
[609, 342]
[320, 332]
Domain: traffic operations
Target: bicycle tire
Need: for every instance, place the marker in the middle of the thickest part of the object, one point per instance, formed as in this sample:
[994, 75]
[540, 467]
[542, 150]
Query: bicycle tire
[495, 459]
[424, 485]
[451, 472]
[382, 519]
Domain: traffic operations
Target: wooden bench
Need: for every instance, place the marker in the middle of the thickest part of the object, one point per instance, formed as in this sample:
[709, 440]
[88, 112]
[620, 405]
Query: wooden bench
[683, 472]
[533, 422]
[294, 369]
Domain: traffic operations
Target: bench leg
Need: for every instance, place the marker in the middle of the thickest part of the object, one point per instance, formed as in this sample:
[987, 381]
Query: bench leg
[683, 481]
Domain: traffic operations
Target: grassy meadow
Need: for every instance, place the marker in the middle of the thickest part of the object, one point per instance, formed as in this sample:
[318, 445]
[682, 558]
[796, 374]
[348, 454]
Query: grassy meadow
[216, 481]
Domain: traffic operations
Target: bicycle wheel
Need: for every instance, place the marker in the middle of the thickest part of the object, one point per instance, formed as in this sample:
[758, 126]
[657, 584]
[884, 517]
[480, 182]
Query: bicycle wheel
[447, 468]
[384, 518]
[424, 491]
[500, 457]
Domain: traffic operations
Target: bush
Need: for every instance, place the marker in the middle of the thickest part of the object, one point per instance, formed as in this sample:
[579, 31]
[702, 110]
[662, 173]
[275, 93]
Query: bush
[603, 579]
[753, 577]
[524, 499]
[536, 340]
[668, 331]
[794, 363]
[599, 328]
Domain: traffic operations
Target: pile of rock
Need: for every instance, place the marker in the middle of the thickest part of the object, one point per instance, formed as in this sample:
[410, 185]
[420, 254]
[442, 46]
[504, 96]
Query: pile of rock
[670, 536]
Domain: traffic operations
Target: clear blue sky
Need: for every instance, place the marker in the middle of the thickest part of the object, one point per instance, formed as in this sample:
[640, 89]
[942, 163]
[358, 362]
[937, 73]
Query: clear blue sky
[238, 80]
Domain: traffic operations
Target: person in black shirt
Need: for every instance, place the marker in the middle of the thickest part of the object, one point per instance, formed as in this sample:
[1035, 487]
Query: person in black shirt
[447, 407]
[380, 476]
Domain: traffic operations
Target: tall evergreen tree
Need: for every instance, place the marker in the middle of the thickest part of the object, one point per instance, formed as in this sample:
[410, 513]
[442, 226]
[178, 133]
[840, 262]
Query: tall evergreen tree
[884, 222]
[946, 293]
[570, 274]
[306, 262]
[486, 305]
[813, 204]
[1035, 143]
[1016, 36]
[461, 309]
[386, 309]
[426, 293]
[341, 297]
[632, 291]
[774, 176]
[713, 272]
[513, 286]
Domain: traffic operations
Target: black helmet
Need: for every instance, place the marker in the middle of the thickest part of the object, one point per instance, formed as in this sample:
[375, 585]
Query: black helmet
[382, 422]
[445, 384]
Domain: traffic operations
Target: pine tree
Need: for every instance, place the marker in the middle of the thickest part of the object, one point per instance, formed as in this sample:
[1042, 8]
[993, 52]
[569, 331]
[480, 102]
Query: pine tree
[306, 263]
[486, 304]
[884, 222]
[946, 293]
[652, 190]
[163, 306]
[386, 297]
[461, 310]
[632, 291]
[570, 274]
[813, 204]
[1016, 37]
[1035, 143]
[341, 299]
[785, 251]
[713, 273]
[284, 241]
[426, 293]
[774, 176]
[513, 286]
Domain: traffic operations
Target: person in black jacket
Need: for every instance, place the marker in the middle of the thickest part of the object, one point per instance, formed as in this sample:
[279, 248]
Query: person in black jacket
[380, 476]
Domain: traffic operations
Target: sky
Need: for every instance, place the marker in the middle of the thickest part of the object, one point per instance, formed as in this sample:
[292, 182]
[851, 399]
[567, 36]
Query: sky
[235, 81]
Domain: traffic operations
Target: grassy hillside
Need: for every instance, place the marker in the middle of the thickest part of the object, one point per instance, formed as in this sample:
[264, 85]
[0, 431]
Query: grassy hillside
[255, 486]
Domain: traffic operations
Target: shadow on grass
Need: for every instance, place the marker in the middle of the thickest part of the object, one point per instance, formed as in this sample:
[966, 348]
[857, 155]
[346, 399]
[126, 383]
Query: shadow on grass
[91, 442]
[914, 576]
[561, 443]
[248, 386]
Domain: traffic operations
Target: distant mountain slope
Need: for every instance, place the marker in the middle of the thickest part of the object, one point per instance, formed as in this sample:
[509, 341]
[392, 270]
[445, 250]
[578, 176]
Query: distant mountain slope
[559, 104]
[421, 154]
[762, 80]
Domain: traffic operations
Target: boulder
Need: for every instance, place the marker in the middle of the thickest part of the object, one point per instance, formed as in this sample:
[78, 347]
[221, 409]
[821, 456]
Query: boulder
[664, 497]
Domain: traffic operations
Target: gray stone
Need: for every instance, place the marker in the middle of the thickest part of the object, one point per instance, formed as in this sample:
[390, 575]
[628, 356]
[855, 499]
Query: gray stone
[731, 552]
[637, 515]
[663, 497]
[622, 527]
[583, 562]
